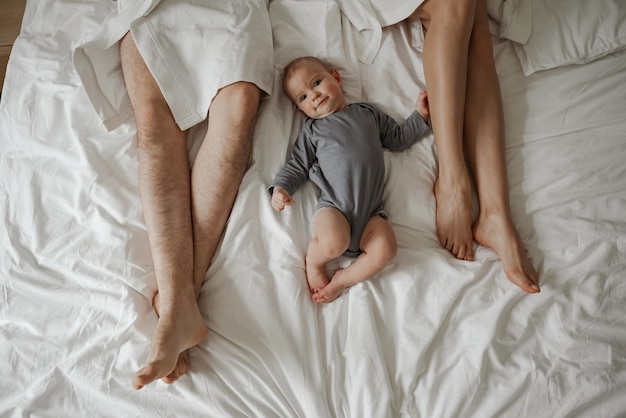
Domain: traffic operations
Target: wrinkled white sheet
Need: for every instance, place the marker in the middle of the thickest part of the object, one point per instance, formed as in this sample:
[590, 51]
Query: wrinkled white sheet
[430, 336]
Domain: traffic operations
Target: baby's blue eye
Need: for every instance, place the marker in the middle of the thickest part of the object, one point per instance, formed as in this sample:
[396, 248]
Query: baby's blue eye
[302, 98]
[317, 83]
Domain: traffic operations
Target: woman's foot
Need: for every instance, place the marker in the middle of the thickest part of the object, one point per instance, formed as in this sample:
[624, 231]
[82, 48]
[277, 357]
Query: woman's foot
[454, 219]
[499, 233]
[174, 335]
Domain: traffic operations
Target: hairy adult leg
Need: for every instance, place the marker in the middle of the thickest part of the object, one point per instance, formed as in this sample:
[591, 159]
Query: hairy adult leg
[331, 238]
[165, 195]
[485, 145]
[218, 170]
[379, 246]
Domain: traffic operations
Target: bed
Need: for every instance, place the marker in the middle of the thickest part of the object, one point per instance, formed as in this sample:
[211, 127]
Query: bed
[430, 336]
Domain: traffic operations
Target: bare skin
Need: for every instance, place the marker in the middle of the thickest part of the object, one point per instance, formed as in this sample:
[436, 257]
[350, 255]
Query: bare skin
[185, 211]
[317, 92]
[379, 247]
[467, 120]
[331, 238]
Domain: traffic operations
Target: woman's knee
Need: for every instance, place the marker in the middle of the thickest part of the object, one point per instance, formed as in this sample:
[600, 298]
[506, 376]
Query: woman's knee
[456, 13]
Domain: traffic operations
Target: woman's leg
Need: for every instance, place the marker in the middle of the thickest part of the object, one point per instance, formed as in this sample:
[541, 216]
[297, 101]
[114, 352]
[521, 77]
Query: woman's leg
[485, 142]
[448, 27]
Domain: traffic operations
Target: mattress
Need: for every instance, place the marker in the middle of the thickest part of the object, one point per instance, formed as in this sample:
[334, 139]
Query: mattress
[430, 336]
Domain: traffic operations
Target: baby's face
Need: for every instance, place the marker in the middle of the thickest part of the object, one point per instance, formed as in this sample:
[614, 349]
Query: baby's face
[316, 91]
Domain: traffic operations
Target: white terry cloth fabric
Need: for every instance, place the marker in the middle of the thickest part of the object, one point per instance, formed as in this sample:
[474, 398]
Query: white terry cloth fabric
[219, 43]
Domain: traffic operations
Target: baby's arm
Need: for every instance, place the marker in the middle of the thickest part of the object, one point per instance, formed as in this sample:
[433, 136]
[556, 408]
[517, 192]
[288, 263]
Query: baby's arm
[281, 198]
[421, 105]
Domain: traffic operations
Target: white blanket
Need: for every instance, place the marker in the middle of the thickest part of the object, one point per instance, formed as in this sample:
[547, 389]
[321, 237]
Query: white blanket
[431, 336]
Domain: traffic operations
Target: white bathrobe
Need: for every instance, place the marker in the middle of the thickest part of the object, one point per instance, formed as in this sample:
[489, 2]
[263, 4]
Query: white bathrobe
[192, 48]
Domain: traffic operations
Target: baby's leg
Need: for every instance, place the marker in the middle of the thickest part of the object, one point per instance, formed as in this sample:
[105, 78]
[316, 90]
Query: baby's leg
[379, 247]
[331, 238]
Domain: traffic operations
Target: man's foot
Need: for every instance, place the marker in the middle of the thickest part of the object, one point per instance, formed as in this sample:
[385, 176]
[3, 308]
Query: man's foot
[182, 366]
[499, 234]
[331, 291]
[174, 335]
[454, 219]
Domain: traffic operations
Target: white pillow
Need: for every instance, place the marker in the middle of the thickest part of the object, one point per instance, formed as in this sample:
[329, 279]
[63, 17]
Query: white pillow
[561, 32]
[314, 27]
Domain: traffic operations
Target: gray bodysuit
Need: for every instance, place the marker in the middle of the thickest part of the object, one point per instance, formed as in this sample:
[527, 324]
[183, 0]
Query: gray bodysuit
[342, 154]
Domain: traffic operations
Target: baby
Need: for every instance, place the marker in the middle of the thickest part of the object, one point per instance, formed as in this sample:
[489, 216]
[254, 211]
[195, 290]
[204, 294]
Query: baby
[340, 149]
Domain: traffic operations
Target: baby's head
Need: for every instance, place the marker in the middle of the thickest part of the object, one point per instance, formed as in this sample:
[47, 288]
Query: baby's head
[314, 87]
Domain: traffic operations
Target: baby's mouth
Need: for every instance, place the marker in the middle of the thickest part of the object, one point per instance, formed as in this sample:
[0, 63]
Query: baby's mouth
[322, 102]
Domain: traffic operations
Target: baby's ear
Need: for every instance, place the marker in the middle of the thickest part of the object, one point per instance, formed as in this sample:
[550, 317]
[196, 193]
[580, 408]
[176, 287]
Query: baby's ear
[337, 76]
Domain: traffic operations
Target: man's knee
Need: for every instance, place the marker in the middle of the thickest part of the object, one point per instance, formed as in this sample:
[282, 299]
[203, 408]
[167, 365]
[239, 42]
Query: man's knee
[243, 89]
[241, 97]
[155, 124]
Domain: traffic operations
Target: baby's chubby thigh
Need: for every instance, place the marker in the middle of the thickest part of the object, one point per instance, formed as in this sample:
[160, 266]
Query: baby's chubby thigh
[332, 231]
[379, 241]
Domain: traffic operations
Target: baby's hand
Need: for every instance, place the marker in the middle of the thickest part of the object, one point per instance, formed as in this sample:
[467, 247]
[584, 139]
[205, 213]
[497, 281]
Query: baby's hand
[280, 199]
[421, 105]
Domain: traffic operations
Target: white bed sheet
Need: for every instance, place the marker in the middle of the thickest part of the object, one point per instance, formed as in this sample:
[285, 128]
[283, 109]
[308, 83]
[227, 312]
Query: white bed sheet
[430, 336]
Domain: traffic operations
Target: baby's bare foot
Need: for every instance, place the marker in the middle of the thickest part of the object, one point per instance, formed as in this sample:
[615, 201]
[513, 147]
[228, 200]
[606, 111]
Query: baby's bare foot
[499, 234]
[332, 290]
[174, 334]
[316, 277]
[453, 219]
